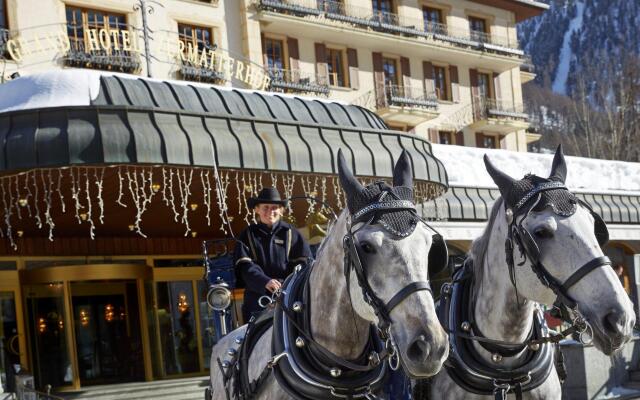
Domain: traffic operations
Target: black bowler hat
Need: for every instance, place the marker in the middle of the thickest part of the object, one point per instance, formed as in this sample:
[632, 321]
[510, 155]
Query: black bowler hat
[267, 195]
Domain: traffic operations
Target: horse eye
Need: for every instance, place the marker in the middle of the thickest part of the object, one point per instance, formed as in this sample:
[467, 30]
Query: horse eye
[543, 233]
[367, 247]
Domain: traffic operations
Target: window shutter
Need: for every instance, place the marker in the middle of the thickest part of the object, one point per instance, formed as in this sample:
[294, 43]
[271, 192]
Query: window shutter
[264, 50]
[429, 83]
[294, 59]
[455, 83]
[473, 79]
[433, 135]
[479, 140]
[352, 59]
[460, 138]
[378, 76]
[496, 87]
[405, 65]
[322, 69]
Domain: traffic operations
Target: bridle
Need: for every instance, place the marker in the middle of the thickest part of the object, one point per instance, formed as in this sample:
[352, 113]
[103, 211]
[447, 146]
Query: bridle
[353, 262]
[529, 248]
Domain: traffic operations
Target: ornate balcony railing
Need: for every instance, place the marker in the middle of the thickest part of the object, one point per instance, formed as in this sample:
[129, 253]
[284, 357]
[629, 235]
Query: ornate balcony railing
[407, 96]
[82, 54]
[391, 23]
[298, 81]
[484, 108]
[527, 65]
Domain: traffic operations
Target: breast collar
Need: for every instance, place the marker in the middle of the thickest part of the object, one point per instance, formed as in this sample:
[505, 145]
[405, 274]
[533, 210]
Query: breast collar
[466, 366]
[308, 371]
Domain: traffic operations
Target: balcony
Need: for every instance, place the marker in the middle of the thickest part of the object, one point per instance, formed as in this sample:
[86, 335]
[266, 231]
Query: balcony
[283, 80]
[401, 104]
[527, 70]
[81, 55]
[332, 12]
[498, 116]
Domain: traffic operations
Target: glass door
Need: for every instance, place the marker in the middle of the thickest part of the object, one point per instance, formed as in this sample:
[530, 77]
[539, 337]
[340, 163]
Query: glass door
[48, 325]
[9, 341]
[107, 332]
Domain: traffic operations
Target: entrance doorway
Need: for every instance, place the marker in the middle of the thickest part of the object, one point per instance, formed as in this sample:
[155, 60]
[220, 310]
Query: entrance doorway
[107, 332]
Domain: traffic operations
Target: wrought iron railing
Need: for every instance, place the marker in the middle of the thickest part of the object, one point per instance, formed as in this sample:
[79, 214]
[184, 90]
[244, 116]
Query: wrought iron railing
[298, 81]
[484, 107]
[407, 96]
[389, 22]
[527, 65]
[192, 70]
[82, 54]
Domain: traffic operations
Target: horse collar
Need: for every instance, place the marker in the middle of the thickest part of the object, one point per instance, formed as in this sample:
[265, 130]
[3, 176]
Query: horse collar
[465, 365]
[308, 371]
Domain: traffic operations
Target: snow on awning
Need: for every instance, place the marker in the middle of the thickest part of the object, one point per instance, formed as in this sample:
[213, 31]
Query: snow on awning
[612, 188]
[79, 117]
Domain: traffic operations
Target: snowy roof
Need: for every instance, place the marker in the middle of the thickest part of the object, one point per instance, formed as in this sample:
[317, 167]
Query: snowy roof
[465, 167]
[79, 87]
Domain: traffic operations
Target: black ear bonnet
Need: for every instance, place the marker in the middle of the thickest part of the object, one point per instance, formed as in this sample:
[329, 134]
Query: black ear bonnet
[392, 207]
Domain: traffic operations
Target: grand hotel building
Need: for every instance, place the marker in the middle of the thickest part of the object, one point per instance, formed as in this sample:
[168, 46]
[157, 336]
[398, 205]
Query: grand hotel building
[110, 180]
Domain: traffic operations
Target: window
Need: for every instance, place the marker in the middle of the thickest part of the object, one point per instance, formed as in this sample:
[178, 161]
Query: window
[382, 6]
[331, 6]
[433, 20]
[440, 81]
[478, 28]
[391, 73]
[335, 62]
[484, 86]
[488, 142]
[274, 54]
[195, 37]
[445, 137]
[84, 25]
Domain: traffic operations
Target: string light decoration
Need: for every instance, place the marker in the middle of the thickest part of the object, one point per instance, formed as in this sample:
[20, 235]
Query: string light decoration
[109, 313]
[183, 304]
[84, 317]
[42, 325]
[28, 199]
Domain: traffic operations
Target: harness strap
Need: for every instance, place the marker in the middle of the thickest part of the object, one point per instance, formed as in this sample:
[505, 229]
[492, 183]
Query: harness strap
[405, 292]
[583, 271]
[324, 351]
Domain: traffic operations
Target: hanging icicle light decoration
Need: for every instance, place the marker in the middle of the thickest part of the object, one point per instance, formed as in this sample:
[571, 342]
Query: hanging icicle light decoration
[183, 304]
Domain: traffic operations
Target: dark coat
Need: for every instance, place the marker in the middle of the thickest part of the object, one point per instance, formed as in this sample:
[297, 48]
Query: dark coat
[267, 254]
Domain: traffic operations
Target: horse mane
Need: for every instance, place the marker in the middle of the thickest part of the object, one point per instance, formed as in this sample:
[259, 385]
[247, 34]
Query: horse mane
[480, 245]
[333, 224]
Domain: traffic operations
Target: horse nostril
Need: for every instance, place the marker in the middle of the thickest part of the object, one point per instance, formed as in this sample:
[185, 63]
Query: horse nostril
[615, 323]
[419, 350]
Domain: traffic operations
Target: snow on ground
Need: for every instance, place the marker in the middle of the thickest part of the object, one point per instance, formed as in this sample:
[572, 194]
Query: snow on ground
[562, 72]
[465, 167]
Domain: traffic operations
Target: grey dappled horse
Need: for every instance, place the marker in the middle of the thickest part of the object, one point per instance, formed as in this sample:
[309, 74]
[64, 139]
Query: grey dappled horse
[340, 315]
[563, 240]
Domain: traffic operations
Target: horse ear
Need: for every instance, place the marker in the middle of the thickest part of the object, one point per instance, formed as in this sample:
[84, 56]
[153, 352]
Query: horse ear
[559, 166]
[504, 181]
[402, 172]
[349, 183]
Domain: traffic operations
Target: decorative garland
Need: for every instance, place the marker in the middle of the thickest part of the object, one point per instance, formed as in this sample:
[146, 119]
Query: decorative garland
[22, 194]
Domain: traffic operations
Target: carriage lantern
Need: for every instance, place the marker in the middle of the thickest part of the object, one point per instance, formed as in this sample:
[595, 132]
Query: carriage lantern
[220, 279]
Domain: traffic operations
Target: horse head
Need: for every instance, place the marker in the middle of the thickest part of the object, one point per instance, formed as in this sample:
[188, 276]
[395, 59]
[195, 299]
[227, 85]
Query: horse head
[555, 241]
[387, 249]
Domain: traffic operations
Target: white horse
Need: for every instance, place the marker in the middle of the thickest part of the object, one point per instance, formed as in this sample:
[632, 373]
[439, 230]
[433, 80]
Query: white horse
[341, 300]
[561, 259]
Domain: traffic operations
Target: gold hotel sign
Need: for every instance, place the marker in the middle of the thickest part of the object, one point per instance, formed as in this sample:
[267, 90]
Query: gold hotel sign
[113, 41]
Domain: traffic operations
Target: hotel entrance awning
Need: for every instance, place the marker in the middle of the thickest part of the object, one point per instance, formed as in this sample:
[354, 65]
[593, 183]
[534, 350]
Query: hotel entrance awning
[131, 120]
